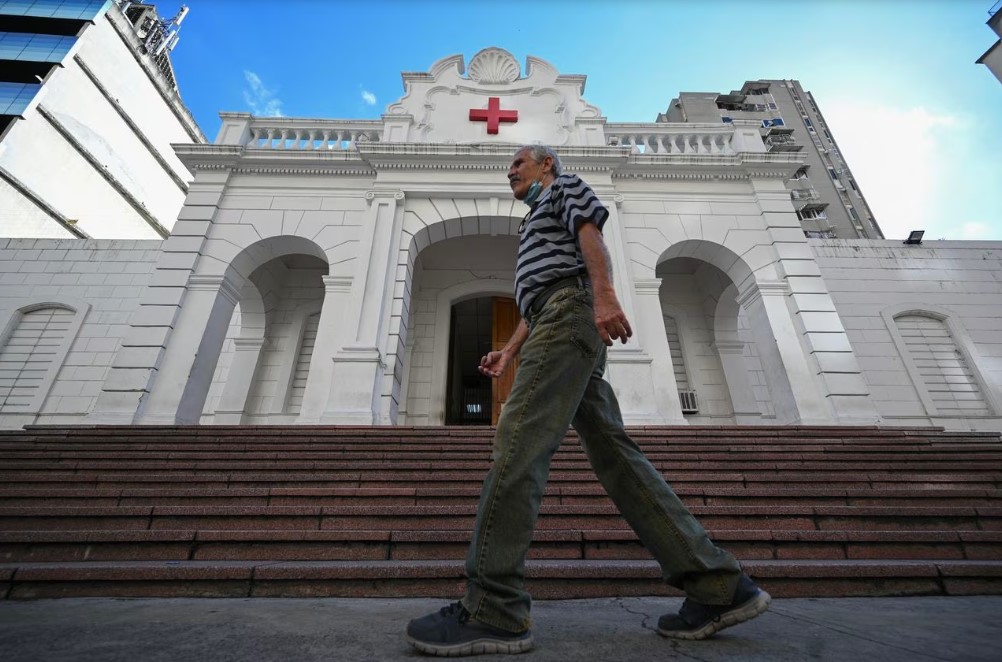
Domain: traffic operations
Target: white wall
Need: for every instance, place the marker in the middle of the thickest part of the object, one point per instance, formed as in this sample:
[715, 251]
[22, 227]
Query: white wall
[108, 276]
[955, 278]
[65, 179]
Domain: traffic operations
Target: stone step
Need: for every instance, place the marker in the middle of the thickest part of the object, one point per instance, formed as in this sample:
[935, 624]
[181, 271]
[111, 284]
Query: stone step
[587, 544]
[571, 494]
[377, 468]
[460, 517]
[179, 510]
[990, 479]
[546, 579]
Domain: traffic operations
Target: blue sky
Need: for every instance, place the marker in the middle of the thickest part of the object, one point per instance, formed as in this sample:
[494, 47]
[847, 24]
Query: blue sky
[918, 121]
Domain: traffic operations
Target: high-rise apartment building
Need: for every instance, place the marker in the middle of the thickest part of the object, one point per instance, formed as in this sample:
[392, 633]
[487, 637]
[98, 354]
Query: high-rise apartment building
[826, 196]
[993, 56]
[88, 110]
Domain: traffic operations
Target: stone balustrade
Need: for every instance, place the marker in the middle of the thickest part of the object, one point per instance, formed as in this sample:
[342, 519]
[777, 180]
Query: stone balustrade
[315, 135]
[672, 138]
[296, 134]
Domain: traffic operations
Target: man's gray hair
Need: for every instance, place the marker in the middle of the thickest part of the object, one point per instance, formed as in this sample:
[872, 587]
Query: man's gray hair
[539, 152]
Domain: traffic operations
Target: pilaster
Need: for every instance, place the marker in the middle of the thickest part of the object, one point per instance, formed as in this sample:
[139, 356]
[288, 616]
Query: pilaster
[359, 365]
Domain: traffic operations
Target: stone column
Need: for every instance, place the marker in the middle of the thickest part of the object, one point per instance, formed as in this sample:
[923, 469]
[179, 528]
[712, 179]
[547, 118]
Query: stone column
[359, 365]
[647, 392]
[795, 392]
[179, 390]
[232, 405]
[330, 336]
[739, 387]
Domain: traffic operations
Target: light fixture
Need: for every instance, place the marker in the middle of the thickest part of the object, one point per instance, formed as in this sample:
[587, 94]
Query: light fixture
[915, 237]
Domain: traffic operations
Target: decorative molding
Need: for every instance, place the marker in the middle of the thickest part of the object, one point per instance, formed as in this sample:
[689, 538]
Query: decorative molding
[199, 283]
[370, 196]
[647, 286]
[494, 66]
[337, 284]
[248, 344]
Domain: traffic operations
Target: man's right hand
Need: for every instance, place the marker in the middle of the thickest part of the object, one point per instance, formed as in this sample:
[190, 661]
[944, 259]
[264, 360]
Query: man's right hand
[494, 363]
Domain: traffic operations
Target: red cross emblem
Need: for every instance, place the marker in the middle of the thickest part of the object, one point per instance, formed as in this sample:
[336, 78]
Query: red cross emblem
[493, 115]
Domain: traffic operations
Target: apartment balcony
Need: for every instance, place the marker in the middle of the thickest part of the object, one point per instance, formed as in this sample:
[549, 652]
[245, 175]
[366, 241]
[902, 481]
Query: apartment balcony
[803, 198]
[995, 18]
[800, 184]
[782, 142]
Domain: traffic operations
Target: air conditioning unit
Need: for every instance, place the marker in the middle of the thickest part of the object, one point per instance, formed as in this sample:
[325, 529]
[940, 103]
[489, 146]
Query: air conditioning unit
[688, 401]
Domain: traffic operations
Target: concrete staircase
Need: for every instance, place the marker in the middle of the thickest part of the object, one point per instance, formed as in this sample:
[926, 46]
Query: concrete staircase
[370, 511]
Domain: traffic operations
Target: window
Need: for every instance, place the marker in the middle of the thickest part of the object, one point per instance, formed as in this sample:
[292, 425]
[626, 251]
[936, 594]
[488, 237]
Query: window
[302, 370]
[941, 367]
[34, 345]
[726, 120]
[831, 171]
[677, 359]
[808, 124]
[812, 214]
[15, 97]
[34, 47]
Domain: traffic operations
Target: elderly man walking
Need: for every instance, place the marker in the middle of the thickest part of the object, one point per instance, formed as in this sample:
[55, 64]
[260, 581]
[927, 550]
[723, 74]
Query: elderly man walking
[570, 314]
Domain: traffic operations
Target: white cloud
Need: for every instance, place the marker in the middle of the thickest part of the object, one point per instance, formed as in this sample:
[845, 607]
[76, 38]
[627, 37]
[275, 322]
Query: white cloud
[368, 97]
[897, 156]
[260, 99]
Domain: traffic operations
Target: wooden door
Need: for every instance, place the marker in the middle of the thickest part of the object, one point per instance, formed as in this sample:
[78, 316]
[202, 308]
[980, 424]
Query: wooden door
[505, 321]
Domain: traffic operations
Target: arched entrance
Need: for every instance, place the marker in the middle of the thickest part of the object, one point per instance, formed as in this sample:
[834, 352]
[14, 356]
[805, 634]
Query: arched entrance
[478, 325]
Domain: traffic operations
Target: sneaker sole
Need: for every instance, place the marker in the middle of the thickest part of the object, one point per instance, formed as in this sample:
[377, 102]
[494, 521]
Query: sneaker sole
[475, 647]
[743, 612]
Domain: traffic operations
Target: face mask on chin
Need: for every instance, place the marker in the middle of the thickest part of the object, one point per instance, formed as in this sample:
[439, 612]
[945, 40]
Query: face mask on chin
[534, 190]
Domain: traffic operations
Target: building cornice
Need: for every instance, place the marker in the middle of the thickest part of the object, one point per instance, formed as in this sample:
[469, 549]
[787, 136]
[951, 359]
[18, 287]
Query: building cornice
[369, 158]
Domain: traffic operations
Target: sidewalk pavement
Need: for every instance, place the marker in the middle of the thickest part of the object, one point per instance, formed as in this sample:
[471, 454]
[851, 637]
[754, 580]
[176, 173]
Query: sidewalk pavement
[916, 629]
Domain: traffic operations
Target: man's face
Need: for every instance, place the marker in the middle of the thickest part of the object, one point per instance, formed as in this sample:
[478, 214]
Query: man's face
[524, 171]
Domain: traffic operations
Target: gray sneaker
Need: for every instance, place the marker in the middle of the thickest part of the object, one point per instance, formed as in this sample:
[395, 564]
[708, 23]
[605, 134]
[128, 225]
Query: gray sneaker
[698, 621]
[450, 632]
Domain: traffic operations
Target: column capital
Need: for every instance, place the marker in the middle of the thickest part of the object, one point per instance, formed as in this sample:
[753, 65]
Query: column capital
[219, 284]
[382, 194]
[765, 288]
[647, 286]
[337, 284]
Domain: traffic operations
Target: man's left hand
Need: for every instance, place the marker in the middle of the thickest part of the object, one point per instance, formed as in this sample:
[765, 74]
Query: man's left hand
[610, 320]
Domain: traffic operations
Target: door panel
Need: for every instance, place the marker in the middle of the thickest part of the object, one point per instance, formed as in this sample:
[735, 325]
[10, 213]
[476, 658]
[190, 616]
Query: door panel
[505, 320]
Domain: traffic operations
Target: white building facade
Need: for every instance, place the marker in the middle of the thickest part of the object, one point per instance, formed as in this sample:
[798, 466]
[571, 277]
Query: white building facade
[89, 154]
[350, 272]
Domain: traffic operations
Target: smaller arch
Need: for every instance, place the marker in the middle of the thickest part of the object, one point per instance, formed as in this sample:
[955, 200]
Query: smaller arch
[989, 388]
[10, 321]
[718, 255]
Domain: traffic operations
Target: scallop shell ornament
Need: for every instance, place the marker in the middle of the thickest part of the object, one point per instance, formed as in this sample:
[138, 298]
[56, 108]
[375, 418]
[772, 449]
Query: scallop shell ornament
[494, 66]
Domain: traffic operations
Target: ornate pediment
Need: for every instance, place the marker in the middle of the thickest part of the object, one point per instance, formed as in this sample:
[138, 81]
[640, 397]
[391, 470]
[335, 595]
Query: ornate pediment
[491, 100]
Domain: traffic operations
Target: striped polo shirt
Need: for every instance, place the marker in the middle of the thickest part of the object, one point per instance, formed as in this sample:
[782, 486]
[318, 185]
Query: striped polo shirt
[548, 250]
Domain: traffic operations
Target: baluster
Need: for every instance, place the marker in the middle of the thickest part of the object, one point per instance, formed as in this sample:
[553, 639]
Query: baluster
[701, 146]
[650, 144]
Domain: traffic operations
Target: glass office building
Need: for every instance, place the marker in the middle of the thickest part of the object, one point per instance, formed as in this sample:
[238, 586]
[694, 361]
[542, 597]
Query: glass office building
[35, 37]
